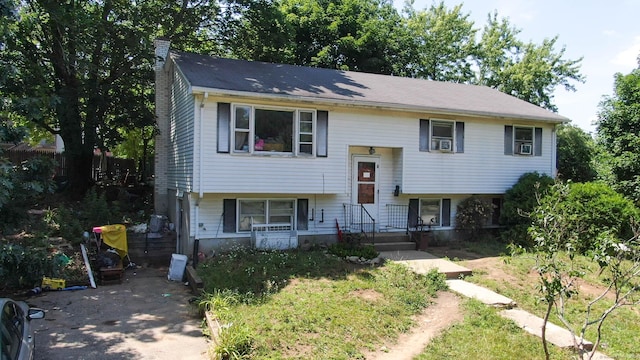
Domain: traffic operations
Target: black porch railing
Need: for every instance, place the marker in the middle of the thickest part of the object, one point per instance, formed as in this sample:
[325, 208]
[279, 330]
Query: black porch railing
[358, 219]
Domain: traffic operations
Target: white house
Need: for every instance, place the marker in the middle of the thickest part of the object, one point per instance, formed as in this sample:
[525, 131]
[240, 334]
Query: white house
[248, 150]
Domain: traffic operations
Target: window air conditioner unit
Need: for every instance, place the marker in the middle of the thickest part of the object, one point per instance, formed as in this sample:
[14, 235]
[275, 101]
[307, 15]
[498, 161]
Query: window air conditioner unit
[445, 145]
[526, 149]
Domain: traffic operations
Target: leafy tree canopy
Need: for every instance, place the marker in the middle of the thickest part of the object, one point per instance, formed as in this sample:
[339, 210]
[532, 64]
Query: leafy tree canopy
[619, 132]
[576, 151]
[527, 71]
[84, 69]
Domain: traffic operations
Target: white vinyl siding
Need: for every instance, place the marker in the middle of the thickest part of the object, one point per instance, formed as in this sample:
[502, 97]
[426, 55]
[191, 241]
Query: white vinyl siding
[481, 169]
[181, 144]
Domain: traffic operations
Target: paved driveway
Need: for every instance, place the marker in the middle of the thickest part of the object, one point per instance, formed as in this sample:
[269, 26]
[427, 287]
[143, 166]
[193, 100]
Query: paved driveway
[145, 317]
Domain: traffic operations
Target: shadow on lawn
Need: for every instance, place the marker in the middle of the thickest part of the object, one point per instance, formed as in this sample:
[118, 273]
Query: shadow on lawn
[248, 271]
[470, 250]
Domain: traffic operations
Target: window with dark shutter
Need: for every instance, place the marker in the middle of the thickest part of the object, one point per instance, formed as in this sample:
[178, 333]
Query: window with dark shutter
[508, 140]
[538, 142]
[303, 214]
[446, 212]
[224, 122]
[229, 215]
[414, 213]
[323, 133]
[424, 134]
[459, 137]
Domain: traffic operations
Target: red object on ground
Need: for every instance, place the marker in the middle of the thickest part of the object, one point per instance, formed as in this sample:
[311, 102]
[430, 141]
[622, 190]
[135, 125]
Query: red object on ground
[339, 231]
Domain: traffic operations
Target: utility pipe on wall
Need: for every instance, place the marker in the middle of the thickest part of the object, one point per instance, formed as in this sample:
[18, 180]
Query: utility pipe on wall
[200, 167]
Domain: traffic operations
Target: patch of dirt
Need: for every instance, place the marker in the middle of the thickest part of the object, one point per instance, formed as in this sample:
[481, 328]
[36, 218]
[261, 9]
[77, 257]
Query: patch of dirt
[367, 294]
[444, 312]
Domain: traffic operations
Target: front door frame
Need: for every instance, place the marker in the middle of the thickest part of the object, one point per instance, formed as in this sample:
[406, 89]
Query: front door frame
[372, 208]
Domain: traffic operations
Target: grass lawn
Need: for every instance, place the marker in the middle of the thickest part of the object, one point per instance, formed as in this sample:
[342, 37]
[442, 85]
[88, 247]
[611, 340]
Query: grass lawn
[310, 305]
[514, 277]
[486, 335]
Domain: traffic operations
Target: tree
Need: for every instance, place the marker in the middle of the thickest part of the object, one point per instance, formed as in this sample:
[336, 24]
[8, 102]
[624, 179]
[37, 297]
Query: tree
[445, 43]
[559, 271]
[619, 132]
[525, 70]
[576, 150]
[358, 35]
[83, 69]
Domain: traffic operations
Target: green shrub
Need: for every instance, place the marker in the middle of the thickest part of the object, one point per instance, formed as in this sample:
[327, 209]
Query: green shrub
[22, 268]
[472, 215]
[350, 249]
[70, 226]
[21, 186]
[519, 201]
[593, 208]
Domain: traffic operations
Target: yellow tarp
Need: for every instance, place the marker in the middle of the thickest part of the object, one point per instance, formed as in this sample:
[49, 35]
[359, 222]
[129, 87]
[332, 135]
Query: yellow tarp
[116, 237]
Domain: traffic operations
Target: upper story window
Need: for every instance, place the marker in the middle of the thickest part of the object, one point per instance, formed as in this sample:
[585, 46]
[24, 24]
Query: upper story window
[523, 140]
[441, 136]
[261, 130]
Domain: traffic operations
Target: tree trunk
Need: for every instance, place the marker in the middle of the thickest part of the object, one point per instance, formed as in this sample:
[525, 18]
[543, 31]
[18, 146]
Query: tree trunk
[79, 173]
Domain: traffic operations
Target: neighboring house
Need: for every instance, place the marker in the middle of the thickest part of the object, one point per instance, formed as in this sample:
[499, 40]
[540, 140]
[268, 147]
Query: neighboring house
[248, 147]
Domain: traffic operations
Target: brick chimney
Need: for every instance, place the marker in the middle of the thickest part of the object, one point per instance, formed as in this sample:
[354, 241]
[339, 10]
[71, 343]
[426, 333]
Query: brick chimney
[162, 88]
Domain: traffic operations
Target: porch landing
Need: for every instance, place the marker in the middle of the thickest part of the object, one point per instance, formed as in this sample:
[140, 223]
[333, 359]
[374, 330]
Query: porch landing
[422, 262]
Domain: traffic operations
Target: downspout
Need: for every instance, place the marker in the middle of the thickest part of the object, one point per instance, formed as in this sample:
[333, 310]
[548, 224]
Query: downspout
[200, 167]
[554, 151]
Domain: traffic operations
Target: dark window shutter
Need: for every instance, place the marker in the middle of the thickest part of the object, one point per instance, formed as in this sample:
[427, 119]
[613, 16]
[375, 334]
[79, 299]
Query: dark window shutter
[459, 137]
[229, 215]
[508, 140]
[424, 135]
[538, 142]
[303, 214]
[322, 124]
[446, 212]
[412, 216]
[224, 127]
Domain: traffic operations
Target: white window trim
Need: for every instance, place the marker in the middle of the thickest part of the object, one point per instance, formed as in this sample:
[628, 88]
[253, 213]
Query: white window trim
[452, 149]
[294, 217]
[296, 130]
[439, 223]
[516, 148]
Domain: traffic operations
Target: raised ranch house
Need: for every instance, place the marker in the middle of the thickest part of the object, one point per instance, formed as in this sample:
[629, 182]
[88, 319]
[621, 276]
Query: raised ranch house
[275, 155]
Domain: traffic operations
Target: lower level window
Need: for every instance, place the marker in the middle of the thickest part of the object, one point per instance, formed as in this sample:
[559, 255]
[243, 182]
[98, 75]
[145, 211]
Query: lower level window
[430, 212]
[264, 212]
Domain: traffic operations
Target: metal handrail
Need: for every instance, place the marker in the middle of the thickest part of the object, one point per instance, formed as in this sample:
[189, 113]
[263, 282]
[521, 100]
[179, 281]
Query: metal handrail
[359, 219]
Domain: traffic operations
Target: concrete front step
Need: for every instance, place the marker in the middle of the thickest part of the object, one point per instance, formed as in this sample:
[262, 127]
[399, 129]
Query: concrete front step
[393, 246]
[391, 237]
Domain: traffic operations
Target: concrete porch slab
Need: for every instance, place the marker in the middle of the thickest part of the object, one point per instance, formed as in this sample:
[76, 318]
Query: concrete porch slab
[422, 262]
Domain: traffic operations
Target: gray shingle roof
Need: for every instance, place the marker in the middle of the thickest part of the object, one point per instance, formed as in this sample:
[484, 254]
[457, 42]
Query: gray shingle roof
[356, 88]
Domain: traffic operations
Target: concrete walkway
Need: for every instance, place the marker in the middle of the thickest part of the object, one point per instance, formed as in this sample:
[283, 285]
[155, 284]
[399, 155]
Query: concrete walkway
[421, 262]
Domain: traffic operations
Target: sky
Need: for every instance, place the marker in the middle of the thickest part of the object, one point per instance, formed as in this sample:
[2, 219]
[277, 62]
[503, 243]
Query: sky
[606, 34]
